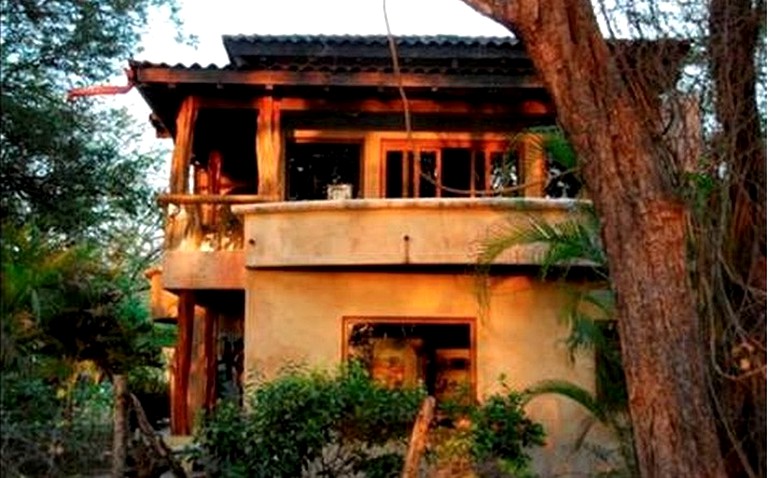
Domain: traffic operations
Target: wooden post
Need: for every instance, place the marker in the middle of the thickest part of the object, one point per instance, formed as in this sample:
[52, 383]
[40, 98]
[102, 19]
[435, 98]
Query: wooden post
[211, 357]
[180, 424]
[182, 150]
[533, 161]
[269, 150]
[418, 438]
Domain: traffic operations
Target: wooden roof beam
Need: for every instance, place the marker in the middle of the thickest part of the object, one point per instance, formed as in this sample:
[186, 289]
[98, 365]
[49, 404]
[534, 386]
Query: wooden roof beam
[166, 75]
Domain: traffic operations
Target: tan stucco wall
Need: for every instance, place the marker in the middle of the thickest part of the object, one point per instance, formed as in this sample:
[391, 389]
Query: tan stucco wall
[392, 231]
[296, 316]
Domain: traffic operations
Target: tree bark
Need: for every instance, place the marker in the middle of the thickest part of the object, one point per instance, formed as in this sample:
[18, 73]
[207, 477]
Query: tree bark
[120, 425]
[643, 230]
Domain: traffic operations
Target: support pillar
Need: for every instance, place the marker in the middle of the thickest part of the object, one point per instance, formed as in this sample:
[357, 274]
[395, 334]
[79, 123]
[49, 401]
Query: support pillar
[269, 150]
[180, 421]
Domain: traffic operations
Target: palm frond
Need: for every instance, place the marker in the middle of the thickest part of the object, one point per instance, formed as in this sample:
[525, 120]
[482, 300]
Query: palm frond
[567, 242]
[569, 390]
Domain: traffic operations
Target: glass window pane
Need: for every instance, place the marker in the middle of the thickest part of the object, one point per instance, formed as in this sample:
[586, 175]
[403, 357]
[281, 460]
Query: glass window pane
[312, 167]
[456, 171]
[505, 173]
[394, 186]
[428, 178]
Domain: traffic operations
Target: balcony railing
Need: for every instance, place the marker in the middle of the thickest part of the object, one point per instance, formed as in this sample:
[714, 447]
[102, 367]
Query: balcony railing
[203, 222]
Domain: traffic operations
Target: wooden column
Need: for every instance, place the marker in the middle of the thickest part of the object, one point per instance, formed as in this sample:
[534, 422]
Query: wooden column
[180, 423]
[533, 162]
[269, 150]
[210, 352]
[182, 150]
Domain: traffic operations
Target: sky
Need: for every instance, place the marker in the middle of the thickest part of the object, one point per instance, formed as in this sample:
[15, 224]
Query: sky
[208, 20]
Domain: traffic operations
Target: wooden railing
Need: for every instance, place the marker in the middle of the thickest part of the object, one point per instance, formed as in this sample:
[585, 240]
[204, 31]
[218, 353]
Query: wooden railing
[203, 222]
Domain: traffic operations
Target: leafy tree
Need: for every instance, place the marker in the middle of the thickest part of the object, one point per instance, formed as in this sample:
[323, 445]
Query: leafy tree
[63, 308]
[79, 225]
[633, 174]
[69, 166]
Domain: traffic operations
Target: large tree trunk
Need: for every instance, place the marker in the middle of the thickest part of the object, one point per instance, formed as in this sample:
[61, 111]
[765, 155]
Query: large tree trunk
[120, 425]
[643, 232]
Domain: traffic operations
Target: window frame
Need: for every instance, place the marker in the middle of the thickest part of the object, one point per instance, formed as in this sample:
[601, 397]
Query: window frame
[403, 146]
[349, 322]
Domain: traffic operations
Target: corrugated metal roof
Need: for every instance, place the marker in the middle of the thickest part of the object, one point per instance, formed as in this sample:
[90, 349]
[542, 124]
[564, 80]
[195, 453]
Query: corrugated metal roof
[179, 66]
[411, 40]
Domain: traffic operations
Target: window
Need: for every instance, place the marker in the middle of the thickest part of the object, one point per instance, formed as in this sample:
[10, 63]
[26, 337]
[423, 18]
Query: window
[438, 354]
[313, 169]
[223, 153]
[610, 383]
[440, 170]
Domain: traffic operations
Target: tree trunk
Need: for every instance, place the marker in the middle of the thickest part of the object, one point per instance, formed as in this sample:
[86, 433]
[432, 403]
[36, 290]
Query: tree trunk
[643, 229]
[120, 425]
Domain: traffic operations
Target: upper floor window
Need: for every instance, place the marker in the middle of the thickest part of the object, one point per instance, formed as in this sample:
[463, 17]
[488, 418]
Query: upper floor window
[320, 170]
[445, 169]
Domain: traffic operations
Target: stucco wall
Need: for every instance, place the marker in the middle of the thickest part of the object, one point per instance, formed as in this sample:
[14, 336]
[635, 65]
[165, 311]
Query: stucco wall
[296, 317]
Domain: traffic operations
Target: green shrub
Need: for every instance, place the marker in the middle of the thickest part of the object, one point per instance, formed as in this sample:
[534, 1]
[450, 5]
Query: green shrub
[500, 433]
[48, 434]
[313, 423]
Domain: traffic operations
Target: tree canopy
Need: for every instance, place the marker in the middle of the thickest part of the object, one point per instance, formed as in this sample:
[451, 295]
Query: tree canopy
[67, 166]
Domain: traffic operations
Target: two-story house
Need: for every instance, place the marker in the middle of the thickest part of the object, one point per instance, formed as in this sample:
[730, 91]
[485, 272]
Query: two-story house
[306, 223]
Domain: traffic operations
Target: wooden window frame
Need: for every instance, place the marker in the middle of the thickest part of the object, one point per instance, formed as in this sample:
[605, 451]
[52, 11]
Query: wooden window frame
[487, 147]
[348, 322]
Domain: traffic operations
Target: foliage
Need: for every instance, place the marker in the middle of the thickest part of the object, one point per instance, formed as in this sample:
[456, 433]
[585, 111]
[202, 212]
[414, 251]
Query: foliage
[68, 320]
[64, 164]
[46, 433]
[589, 312]
[311, 422]
[500, 432]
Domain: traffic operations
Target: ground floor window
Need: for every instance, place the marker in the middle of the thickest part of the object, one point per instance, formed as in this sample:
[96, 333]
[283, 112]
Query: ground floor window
[438, 354]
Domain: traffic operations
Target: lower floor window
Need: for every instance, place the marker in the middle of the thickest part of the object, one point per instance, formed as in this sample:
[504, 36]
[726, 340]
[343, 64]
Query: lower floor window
[435, 354]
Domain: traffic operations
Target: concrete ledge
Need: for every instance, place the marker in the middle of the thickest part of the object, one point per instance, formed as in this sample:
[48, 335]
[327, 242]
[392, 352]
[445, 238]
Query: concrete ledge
[391, 231]
[508, 204]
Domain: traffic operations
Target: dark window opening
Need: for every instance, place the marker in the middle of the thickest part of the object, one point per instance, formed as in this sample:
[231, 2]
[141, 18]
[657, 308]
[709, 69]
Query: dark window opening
[322, 170]
[224, 152]
[456, 171]
[610, 382]
[394, 168]
[428, 177]
[436, 356]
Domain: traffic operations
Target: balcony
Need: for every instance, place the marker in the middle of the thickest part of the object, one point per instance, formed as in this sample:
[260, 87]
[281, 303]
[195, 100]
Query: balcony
[371, 232]
[203, 242]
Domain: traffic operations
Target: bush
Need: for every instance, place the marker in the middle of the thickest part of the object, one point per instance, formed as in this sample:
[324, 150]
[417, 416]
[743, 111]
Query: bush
[492, 438]
[49, 434]
[308, 422]
[500, 433]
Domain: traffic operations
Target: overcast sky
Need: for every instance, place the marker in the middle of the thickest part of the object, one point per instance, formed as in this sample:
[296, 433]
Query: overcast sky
[209, 20]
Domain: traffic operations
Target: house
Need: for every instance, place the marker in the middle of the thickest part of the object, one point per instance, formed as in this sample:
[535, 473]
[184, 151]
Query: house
[307, 224]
